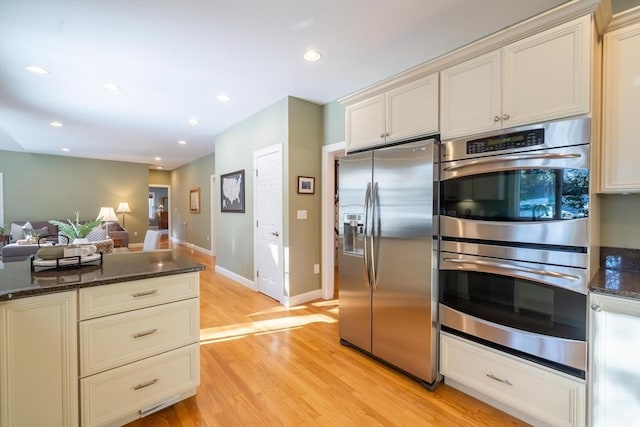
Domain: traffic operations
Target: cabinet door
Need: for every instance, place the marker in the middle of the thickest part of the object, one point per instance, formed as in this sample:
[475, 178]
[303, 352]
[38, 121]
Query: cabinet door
[412, 109]
[471, 97]
[621, 112]
[365, 123]
[38, 361]
[547, 76]
[615, 361]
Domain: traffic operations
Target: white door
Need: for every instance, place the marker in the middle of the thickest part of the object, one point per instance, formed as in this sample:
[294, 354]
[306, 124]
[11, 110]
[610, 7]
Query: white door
[268, 214]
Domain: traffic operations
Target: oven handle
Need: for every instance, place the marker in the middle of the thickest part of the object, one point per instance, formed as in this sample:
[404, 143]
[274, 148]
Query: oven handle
[499, 159]
[513, 268]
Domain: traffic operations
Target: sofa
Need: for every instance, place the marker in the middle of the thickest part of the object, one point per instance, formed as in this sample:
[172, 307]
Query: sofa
[116, 232]
[19, 250]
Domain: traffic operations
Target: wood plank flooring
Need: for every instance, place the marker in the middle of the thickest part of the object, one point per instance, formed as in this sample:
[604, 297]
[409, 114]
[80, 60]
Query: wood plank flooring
[266, 365]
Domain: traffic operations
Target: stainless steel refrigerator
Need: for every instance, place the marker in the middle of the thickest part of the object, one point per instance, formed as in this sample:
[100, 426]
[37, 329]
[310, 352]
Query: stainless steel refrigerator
[388, 256]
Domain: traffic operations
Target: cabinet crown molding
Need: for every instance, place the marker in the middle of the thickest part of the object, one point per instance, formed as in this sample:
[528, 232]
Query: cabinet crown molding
[601, 10]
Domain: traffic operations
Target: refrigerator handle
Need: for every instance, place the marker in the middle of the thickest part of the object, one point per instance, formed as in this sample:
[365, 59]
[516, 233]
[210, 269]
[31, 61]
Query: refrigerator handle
[375, 220]
[365, 257]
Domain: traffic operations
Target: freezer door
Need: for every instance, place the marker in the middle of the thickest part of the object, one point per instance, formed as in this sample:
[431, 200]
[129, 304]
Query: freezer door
[354, 290]
[404, 315]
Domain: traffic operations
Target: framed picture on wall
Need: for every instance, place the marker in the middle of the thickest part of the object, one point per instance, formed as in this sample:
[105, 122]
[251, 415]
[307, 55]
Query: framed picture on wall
[306, 185]
[194, 200]
[232, 192]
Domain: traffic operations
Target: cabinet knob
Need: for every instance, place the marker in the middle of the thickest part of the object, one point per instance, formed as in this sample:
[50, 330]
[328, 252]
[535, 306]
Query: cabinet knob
[382, 135]
[505, 116]
[596, 307]
[496, 118]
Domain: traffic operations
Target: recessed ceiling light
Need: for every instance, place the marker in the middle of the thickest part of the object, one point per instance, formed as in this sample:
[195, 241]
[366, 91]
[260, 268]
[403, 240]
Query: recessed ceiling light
[157, 158]
[182, 142]
[56, 124]
[312, 55]
[194, 121]
[112, 86]
[36, 69]
[159, 167]
[224, 98]
[65, 149]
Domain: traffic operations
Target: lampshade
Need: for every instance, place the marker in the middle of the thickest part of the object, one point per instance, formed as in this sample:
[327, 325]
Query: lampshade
[123, 207]
[107, 214]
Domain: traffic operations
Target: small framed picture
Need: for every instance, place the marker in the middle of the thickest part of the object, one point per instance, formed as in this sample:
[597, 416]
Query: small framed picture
[194, 200]
[306, 185]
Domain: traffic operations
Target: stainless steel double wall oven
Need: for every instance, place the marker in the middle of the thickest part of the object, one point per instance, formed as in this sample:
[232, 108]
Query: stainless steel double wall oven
[514, 241]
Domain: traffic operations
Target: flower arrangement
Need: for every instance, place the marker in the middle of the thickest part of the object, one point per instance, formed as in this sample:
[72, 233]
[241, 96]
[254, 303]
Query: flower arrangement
[75, 230]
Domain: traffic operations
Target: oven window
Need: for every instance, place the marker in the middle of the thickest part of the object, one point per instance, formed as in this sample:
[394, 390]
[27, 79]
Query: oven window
[517, 303]
[518, 195]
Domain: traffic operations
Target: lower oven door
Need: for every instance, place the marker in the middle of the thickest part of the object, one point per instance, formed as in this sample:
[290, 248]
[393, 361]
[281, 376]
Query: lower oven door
[516, 305]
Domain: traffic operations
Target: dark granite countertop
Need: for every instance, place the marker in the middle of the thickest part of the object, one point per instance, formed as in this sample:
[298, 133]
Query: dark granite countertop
[18, 281]
[619, 273]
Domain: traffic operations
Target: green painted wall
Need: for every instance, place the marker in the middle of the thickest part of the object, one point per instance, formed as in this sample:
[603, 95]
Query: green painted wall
[333, 116]
[304, 159]
[234, 151]
[41, 187]
[159, 177]
[618, 6]
[192, 228]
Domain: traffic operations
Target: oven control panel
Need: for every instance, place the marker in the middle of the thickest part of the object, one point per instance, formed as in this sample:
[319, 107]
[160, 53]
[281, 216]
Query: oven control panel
[508, 141]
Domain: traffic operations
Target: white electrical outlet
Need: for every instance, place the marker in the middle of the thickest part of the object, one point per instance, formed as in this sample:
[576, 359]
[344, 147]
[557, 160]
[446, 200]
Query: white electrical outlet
[316, 268]
[135, 233]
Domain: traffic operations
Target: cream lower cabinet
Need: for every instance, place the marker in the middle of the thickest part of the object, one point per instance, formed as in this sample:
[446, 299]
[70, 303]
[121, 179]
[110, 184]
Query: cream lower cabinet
[38, 362]
[615, 361]
[405, 112]
[139, 347]
[548, 397]
[621, 110]
[542, 77]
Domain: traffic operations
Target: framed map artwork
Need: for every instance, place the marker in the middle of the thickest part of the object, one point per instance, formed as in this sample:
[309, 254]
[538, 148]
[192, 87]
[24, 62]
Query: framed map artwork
[232, 192]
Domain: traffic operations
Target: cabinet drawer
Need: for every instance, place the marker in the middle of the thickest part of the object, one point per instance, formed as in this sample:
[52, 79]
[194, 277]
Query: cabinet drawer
[119, 297]
[123, 393]
[546, 395]
[110, 341]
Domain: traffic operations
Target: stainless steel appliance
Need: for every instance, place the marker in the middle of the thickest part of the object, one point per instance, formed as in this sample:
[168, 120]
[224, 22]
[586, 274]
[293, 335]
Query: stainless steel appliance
[514, 260]
[388, 256]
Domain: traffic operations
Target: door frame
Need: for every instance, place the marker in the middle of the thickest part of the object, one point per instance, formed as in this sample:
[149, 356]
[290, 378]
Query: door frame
[329, 154]
[214, 207]
[168, 187]
[276, 148]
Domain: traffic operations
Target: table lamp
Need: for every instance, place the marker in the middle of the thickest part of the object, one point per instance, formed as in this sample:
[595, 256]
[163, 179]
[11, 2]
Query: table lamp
[108, 215]
[123, 207]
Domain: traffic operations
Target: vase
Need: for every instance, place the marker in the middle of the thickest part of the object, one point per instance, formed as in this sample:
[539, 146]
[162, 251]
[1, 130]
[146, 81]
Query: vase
[80, 241]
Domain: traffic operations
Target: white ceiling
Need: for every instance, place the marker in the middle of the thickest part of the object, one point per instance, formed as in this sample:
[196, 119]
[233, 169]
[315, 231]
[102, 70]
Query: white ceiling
[173, 57]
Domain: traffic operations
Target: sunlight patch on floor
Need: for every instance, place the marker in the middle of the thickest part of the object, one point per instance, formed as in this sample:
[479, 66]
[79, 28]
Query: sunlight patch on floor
[241, 330]
[278, 309]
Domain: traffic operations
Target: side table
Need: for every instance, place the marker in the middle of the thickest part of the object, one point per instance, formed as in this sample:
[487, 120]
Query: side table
[4, 239]
[117, 242]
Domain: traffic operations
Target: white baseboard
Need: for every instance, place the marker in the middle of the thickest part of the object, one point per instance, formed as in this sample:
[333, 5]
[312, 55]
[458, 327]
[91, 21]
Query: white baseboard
[302, 298]
[236, 277]
[193, 247]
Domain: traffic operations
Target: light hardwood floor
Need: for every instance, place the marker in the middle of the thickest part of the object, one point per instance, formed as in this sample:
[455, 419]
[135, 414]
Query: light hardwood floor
[266, 365]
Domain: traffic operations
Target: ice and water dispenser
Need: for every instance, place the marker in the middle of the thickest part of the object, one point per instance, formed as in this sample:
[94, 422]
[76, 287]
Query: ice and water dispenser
[353, 234]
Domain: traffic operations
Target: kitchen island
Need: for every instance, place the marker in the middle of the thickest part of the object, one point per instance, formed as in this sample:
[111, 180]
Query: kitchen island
[99, 344]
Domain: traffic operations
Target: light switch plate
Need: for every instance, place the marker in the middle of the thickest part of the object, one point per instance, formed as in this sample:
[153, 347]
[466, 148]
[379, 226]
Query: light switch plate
[302, 214]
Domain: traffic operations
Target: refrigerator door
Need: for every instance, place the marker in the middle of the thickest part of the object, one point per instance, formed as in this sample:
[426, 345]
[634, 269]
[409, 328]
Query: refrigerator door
[355, 292]
[403, 312]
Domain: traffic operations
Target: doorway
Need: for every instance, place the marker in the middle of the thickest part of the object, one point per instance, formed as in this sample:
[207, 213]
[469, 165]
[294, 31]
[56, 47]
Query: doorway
[330, 154]
[268, 238]
[159, 209]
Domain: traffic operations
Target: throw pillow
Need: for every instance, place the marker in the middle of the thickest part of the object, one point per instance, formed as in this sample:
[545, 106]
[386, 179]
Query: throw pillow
[17, 231]
[97, 234]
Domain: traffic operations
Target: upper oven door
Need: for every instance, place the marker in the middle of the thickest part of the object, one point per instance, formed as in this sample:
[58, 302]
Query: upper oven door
[536, 197]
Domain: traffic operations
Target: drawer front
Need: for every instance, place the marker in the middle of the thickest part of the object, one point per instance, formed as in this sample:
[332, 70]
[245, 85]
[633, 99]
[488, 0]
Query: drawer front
[119, 297]
[111, 341]
[124, 392]
[551, 397]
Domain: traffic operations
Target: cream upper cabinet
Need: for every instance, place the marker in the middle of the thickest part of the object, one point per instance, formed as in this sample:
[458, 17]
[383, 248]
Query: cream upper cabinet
[621, 112]
[614, 362]
[542, 77]
[405, 112]
[38, 361]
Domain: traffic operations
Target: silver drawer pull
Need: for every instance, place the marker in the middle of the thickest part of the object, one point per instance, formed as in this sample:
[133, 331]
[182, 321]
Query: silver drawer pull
[144, 294]
[493, 377]
[147, 384]
[145, 333]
